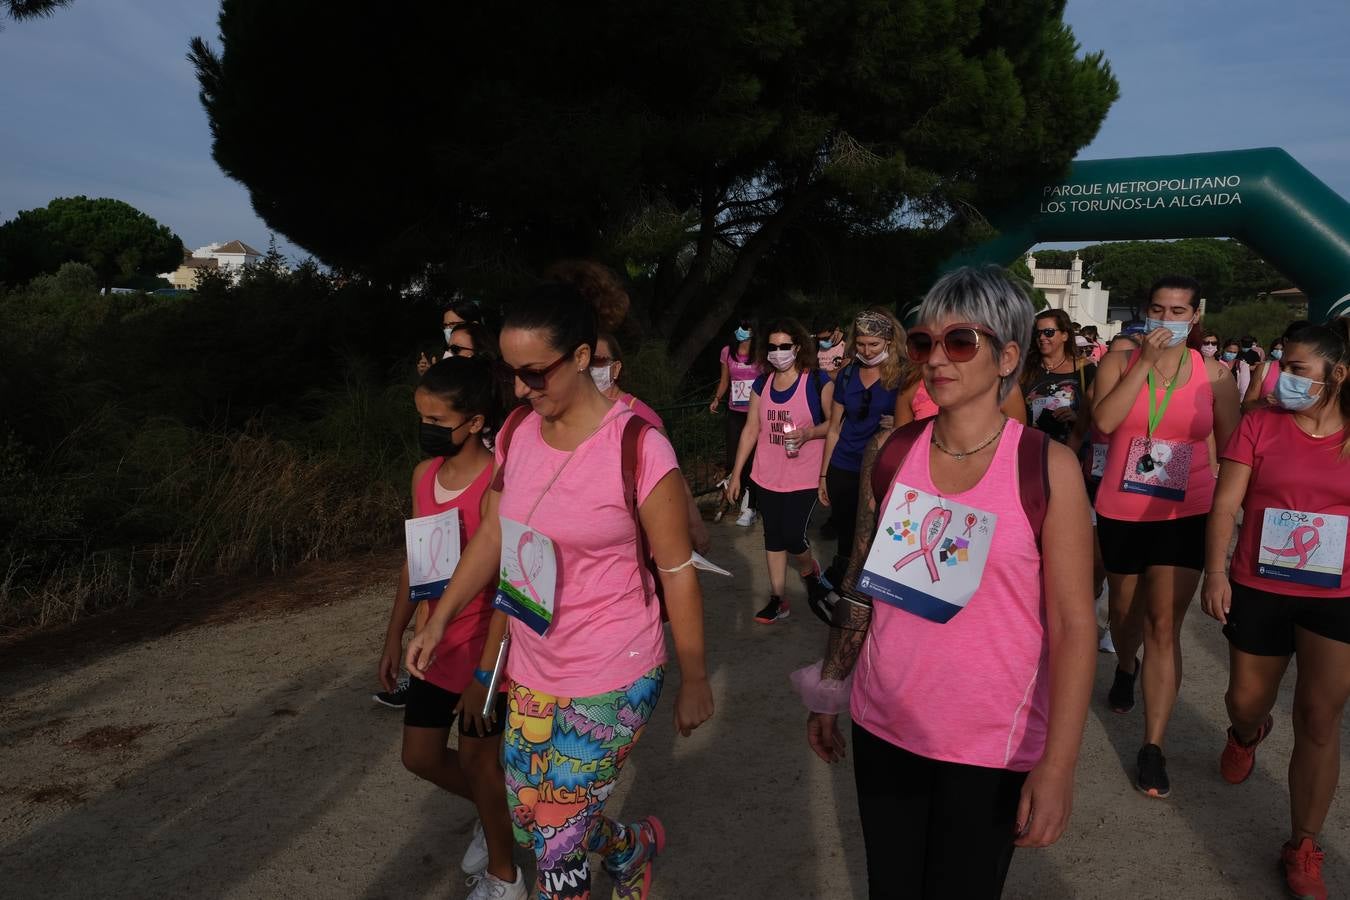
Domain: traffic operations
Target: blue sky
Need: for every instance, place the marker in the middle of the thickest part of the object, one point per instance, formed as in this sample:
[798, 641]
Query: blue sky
[100, 100]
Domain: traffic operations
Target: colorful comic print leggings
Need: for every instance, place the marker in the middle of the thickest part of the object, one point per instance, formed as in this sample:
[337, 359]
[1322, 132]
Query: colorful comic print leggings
[562, 757]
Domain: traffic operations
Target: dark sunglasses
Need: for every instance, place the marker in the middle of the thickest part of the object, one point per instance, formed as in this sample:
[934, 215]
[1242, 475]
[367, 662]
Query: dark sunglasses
[787, 346]
[1210, 344]
[866, 404]
[1047, 332]
[960, 342]
[534, 379]
[456, 350]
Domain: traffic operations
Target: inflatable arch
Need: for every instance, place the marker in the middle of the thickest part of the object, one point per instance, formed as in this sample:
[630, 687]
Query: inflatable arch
[1262, 198]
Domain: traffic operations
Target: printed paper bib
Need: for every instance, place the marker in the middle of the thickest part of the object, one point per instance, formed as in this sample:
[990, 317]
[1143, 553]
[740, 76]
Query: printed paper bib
[929, 554]
[529, 576]
[1302, 547]
[432, 543]
[740, 391]
[1157, 468]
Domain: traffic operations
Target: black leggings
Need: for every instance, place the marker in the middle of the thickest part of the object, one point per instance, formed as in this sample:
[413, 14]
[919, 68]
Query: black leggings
[842, 486]
[735, 425]
[933, 829]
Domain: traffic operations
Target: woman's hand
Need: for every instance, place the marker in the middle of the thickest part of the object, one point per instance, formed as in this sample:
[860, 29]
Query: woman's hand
[712, 407]
[1216, 596]
[823, 493]
[389, 662]
[822, 733]
[693, 705]
[422, 650]
[470, 706]
[1047, 800]
[1154, 345]
[1065, 414]
[886, 422]
[734, 487]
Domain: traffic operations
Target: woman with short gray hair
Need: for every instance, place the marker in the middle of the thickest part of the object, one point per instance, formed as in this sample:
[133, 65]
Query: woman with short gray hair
[974, 653]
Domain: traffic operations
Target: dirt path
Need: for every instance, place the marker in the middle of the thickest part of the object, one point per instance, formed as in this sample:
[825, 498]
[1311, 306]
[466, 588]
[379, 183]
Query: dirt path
[246, 760]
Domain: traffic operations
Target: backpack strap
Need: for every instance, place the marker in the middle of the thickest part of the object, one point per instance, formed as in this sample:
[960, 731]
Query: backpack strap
[841, 382]
[815, 396]
[508, 428]
[892, 456]
[1033, 477]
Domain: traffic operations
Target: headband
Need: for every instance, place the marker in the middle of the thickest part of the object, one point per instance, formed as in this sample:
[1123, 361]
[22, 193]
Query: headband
[874, 324]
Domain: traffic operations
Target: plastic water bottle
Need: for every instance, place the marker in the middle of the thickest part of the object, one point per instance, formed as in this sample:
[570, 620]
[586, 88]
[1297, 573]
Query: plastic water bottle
[789, 442]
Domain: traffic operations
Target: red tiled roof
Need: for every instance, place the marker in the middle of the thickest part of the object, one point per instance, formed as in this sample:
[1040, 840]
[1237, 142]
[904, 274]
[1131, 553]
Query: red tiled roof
[196, 262]
[238, 247]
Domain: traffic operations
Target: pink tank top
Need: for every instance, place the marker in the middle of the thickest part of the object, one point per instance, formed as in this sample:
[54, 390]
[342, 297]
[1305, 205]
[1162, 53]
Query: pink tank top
[922, 404]
[976, 689]
[1188, 422]
[461, 647]
[773, 469]
[1272, 376]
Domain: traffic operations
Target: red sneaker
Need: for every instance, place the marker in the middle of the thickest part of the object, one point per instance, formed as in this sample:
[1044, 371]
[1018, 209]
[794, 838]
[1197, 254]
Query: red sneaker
[1302, 870]
[1238, 759]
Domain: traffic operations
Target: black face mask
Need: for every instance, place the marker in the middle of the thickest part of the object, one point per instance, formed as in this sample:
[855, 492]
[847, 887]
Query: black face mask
[437, 440]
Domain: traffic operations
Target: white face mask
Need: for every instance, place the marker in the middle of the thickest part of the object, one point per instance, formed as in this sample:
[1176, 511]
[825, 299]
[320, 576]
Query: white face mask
[448, 331]
[870, 361]
[600, 375]
[782, 360]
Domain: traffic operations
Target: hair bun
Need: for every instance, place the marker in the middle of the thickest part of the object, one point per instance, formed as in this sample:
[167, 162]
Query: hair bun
[599, 284]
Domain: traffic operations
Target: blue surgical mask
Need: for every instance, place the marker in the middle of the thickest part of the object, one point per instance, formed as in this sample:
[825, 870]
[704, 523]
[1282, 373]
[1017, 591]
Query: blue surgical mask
[742, 334]
[1229, 355]
[1277, 354]
[1179, 330]
[826, 344]
[1293, 391]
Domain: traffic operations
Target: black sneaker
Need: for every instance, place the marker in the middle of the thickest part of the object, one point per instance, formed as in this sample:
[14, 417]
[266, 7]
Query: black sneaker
[774, 610]
[395, 699]
[816, 586]
[1152, 778]
[1121, 696]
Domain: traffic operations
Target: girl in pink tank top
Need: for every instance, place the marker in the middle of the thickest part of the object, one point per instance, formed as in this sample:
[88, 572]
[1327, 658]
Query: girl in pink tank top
[1160, 406]
[458, 404]
[785, 430]
[960, 698]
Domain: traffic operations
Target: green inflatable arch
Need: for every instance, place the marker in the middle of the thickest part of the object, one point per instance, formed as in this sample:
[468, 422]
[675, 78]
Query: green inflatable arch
[1263, 198]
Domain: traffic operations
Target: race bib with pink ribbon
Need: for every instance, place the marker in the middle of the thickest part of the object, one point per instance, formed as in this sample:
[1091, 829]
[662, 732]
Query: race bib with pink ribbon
[529, 576]
[432, 543]
[929, 554]
[1302, 547]
[1157, 468]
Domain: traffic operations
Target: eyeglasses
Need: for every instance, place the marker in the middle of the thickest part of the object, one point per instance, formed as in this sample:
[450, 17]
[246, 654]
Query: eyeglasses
[866, 404]
[456, 350]
[534, 379]
[1210, 343]
[1047, 332]
[960, 342]
[787, 346]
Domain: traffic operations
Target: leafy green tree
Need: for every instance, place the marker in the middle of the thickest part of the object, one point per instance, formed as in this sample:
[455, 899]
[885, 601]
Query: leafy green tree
[1264, 320]
[687, 141]
[113, 238]
[19, 10]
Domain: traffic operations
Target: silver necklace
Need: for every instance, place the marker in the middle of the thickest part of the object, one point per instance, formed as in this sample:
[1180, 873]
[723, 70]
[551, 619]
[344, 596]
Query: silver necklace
[960, 455]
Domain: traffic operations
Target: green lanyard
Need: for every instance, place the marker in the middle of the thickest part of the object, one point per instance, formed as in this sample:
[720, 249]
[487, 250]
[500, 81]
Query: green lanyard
[1156, 411]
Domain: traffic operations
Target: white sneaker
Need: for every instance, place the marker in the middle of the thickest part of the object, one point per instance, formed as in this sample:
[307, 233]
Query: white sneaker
[489, 887]
[1106, 645]
[746, 518]
[476, 857]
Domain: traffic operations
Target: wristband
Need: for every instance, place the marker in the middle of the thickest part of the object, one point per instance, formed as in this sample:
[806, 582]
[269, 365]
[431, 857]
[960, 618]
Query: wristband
[483, 676]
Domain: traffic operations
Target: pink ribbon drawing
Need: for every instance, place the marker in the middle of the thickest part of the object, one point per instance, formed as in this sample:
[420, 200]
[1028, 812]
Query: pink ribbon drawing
[970, 523]
[1303, 543]
[527, 540]
[434, 543]
[934, 525]
[910, 497]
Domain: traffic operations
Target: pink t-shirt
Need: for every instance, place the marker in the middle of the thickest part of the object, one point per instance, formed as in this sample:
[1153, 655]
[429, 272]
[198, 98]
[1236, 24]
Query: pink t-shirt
[831, 360]
[1290, 470]
[606, 628]
[922, 404]
[773, 469]
[742, 373]
[1189, 421]
[642, 410]
[976, 689]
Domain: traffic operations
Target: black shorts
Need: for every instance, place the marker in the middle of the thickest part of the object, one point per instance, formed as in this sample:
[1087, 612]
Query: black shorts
[786, 515]
[1128, 548]
[1262, 623]
[430, 706]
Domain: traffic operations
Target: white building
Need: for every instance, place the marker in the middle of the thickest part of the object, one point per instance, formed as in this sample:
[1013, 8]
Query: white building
[1064, 289]
[229, 257]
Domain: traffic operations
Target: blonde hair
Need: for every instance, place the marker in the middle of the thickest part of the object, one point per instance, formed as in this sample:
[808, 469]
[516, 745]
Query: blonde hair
[877, 321]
